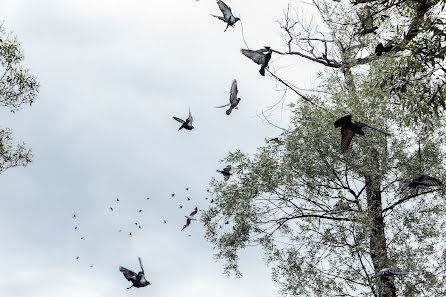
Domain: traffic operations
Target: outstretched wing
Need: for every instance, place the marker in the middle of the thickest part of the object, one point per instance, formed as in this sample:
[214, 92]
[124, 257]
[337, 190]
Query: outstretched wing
[372, 127]
[190, 119]
[226, 10]
[179, 120]
[187, 224]
[223, 105]
[428, 181]
[406, 185]
[194, 212]
[234, 91]
[256, 56]
[347, 135]
[277, 52]
[140, 264]
[129, 275]
[343, 120]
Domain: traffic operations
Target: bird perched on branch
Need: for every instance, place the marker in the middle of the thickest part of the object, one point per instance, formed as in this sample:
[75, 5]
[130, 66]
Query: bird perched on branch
[350, 128]
[227, 17]
[190, 218]
[380, 48]
[233, 100]
[186, 124]
[261, 57]
[138, 279]
[421, 181]
[226, 172]
[367, 21]
[389, 273]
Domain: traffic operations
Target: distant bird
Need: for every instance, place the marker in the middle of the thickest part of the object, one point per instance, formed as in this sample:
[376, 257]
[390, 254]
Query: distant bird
[206, 198]
[190, 217]
[188, 199]
[212, 200]
[136, 223]
[139, 227]
[111, 208]
[77, 258]
[147, 198]
[186, 124]
[140, 210]
[276, 140]
[380, 48]
[181, 206]
[227, 17]
[117, 199]
[74, 215]
[173, 194]
[389, 273]
[349, 128]
[187, 189]
[130, 233]
[208, 190]
[138, 279]
[82, 238]
[226, 172]
[75, 228]
[261, 57]
[421, 181]
[367, 21]
[227, 222]
[119, 230]
[233, 100]
[165, 221]
[91, 266]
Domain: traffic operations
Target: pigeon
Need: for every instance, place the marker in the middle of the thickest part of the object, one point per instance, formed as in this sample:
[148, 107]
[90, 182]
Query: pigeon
[188, 199]
[173, 194]
[75, 228]
[380, 48]
[185, 124]
[111, 208]
[130, 233]
[233, 100]
[389, 273]
[138, 279]
[421, 181]
[181, 206]
[276, 140]
[187, 189]
[212, 200]
[117, 199]
[165, 221]
[367, 21]
[74, 215]
[349, 128]
[77, 258]
[190, 217]
[140, 210]
[227, 17]
[226, 172]
[261, 57]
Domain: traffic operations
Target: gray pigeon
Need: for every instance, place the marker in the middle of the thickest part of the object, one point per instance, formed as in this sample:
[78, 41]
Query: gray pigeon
[350, 128]
[190, 218]
[186, 124]
[227, 17]
[226, 172]
[233, 100]
[389, 273]
[138, 279]
[261, 57]
[367, 21]
[421, 181]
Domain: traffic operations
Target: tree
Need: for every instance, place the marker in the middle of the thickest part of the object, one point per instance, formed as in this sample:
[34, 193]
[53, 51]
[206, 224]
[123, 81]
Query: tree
[17, 88]
[328, 220]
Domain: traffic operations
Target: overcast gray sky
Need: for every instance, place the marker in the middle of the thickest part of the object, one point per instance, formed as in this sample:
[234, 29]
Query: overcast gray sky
[112, 74]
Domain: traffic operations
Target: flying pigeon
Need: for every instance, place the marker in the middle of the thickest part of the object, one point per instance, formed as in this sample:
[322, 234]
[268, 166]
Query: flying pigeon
[188, 199]
[140, 210]
[187, 189]
[227, 17]
[190, 217]
[75, 228]
[349, 128]
[138, 279]
[367, 21]
[77, 258]
[74, 215]
[181, 206]
[233, 100]
[165, 221]
[380, 48]
[261, 57]
[389, 273]
[173, 194]
[186, 124]
[421, 181]
[117, 199]
[111, 208]
[226, 172]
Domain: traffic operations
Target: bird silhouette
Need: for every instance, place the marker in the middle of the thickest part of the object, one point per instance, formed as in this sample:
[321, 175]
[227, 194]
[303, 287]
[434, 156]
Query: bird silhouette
[389, 273]
[187, 189]
[261, 57]
[173, 194]
[165, 221]
[367, 21]
[233, 100]
[188, 199]
[75, 228]
[111, 208]
[140, 210]
[74, 215]
[138, 279]
[117, 199]
[380, 48]
[226, 172]
[350, 128]
[421, 181]
[181, 206]
[187, 124]
[190, 218]
[227, 17]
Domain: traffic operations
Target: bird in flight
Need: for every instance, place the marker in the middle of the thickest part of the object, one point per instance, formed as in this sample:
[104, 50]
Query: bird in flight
[233, 100]
[227, 17]
[350, 128]
[421, 181]
[190, 217]
[389, 273]
[138, 279]
[226, 172]
[186, 124]
[261, 57]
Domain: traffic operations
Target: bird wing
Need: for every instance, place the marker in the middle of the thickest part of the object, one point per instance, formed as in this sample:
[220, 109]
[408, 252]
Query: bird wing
[428, 181]
[406, 185]
[347, 135]
[277, 52]
[226, 10]
[190, 119]
[343, 120]
[187, 224]
[194, 212]
[234, 91]
[256, 56]
[129, 275]
[372, 127]
[140, 264]
[222, 105]
[396, 271]
[179, 120]
[218, 17]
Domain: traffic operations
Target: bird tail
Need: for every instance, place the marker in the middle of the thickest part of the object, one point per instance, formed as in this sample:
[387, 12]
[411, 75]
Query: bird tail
[228, 112]
[227, 26]
[406, 185]
[180, 128]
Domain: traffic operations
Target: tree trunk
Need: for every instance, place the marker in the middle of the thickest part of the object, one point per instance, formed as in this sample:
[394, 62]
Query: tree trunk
[378, 247]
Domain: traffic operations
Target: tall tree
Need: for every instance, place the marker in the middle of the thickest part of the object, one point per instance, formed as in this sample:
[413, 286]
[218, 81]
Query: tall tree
[329, 220]
[17, 88]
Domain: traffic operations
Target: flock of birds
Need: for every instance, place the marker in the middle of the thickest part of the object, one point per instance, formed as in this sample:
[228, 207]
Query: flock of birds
[349, 129]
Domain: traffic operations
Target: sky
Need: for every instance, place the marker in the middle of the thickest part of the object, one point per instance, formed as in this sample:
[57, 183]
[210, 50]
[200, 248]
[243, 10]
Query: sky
[112, 75]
